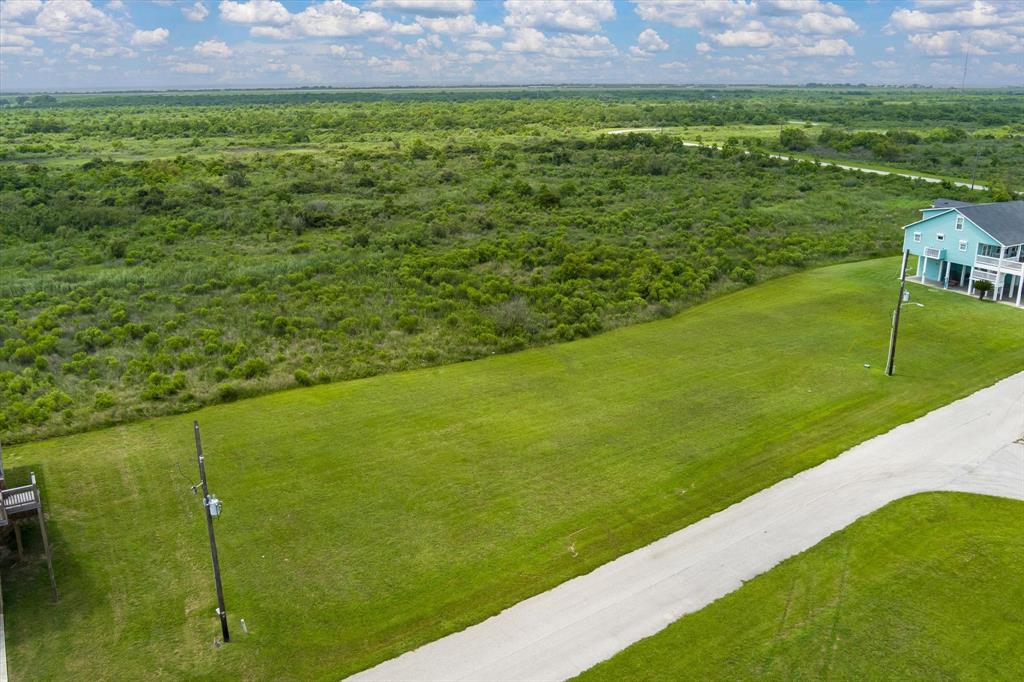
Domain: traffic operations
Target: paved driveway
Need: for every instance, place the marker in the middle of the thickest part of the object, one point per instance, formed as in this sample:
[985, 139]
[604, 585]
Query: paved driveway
[971, 445]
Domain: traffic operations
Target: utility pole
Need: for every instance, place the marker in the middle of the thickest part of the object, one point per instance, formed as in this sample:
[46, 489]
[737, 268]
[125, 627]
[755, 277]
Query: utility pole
[895, 316]
[221, 610]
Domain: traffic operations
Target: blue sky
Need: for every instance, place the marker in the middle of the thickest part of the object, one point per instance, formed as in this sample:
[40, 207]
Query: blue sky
[82, 44]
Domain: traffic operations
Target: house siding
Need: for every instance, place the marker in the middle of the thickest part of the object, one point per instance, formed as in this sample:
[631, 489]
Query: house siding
[945, 223]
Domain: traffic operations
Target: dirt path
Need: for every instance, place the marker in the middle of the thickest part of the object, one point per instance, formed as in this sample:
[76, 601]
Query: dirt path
[972, 445]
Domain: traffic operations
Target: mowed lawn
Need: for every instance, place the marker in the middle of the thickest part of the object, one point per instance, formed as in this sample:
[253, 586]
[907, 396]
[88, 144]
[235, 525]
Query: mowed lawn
[365, 518]
[930, 587]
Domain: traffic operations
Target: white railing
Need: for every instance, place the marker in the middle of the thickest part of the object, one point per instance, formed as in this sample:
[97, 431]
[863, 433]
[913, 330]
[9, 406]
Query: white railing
[1006, 264]
[982, 274]
[21, 498]
[930, 252]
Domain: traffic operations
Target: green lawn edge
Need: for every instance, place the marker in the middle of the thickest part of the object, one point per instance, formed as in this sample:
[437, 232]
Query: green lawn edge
[365, 518]
[927, 587]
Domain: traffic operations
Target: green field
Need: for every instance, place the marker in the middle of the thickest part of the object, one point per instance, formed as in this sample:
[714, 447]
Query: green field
[992, 156]
[364, 518]
[163, 252]
[929, 587]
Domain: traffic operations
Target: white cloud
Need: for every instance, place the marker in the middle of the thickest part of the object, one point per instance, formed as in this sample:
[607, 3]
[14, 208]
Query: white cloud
[195, 12]
[192, 67]
[17, 39]
[389, 65]
[389, 41]
[526, 40]
[89, 52]
[937, 44]
[650, 41]
[346, 51]
[564, 46]
[800, 28]
[885, 64]
[744, 39]
[150, 39]
[20, 51]
[328, 19]
[960, 15]
[476, 45]
[580, 16]
[1011, 69]
[465, 24]
[254, 12]
[997, 40]
[58, 20]
[647, 43]
[826, 47]
[821, 23]
[212, 48]
[15, 10]
[116, 6]
[694, 13]
[424, 8]
[422, 47]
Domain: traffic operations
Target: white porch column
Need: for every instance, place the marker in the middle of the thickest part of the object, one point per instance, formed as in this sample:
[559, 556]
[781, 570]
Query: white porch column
[924, 270]
[1020, 287]
[945, 282]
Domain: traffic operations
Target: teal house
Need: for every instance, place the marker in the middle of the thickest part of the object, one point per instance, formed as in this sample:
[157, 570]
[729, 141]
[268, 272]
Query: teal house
[958, 244]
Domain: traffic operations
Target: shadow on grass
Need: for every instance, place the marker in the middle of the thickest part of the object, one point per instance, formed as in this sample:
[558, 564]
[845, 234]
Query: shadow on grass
[27, 597]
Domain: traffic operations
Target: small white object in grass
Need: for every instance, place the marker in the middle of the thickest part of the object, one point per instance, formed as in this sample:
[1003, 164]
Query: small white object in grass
[244, 628]
[867, 365]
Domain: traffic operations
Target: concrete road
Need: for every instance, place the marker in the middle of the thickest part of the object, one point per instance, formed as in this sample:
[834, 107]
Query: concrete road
[862, 169]
[972, 445]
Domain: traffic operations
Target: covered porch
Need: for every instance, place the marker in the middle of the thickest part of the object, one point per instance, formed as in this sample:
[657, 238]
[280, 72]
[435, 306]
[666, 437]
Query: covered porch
[960, 278]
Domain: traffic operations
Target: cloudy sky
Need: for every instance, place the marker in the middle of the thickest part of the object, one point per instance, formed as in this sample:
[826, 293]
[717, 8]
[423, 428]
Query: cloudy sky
[67, 44]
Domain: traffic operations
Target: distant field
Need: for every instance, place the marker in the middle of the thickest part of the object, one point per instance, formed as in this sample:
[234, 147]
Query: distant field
[929, 587]
[364, 518]
[990, 155]
[223, 267]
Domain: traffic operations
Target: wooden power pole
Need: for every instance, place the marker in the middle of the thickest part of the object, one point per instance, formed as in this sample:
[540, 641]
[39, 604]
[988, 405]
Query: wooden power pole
[221, 609]
[896, 315]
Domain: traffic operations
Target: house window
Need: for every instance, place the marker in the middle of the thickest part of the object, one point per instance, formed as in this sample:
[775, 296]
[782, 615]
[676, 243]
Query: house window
[959, 222]
[940, 236]
[963, 244]
[917, 236]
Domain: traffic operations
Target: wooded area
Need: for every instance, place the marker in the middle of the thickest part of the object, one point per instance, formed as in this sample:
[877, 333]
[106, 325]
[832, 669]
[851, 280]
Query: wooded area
[166, 251]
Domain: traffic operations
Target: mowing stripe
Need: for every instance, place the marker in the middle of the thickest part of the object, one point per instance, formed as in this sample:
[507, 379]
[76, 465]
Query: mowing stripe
[968, 446]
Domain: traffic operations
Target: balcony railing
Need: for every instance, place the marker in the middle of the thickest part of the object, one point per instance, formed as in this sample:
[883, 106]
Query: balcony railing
[931, 252]
[1005, 264]
[977, 274]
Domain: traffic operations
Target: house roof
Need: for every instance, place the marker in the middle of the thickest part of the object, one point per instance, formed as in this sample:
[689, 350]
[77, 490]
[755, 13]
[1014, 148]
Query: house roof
[1003, 220]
